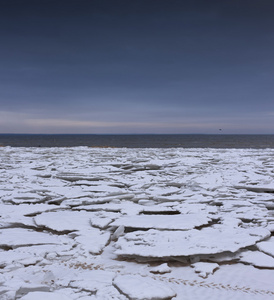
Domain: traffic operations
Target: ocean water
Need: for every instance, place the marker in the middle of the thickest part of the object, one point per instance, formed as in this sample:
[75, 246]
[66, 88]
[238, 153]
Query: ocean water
[138, 141]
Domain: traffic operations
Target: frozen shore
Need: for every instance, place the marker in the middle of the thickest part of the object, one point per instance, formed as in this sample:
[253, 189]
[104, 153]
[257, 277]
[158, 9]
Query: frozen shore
[116, 223]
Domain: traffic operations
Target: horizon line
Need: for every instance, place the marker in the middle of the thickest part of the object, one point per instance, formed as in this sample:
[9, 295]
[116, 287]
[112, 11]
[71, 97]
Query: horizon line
[219, 133]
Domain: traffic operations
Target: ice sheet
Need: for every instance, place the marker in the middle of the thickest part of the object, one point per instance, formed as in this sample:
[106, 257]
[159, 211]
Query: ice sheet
[154, 243]
[173, 222]
[139, 288]
[91, 223]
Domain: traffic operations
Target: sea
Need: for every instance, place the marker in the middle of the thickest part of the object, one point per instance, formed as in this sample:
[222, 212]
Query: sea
[139, 140]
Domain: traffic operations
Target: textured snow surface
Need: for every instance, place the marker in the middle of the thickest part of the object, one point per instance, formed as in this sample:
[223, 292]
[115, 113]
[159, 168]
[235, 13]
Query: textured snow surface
[138, 288]
[159, 244]
[99, 224]
[45, 296]
[267, 247]
[180, 222]
[204, 269]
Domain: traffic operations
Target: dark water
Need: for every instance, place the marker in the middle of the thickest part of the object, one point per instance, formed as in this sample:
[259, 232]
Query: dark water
[138, 141]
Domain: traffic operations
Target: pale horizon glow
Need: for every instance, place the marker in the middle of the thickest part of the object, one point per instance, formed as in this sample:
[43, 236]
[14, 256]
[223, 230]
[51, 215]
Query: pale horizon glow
[189, 126]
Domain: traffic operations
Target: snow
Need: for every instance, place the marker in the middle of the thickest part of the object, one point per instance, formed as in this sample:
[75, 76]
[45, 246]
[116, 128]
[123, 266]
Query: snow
[161, 222]
[64, 220]
[161, 269]
[267, 246]
[204, 269]
[18, 237]
[93, 240]
[153, 243]
[257, 259]
[136, 287]
[98, 224]
[45, 296]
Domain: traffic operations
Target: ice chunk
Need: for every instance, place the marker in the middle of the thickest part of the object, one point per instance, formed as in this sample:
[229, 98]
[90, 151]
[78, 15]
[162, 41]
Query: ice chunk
[172, 222]
[9, 257]
[154, 243]
[71, 177]
[267, 246]
[161, 269]
[103, 219]
[45, 296]
[257, 189]
[136, 287]
[24, 197]
[118, 232]
[93, 240]
[21, 214]
[64, 220]
[270, 226]
[204, 269]
[257, 259]
[14, 237]
[92, 280]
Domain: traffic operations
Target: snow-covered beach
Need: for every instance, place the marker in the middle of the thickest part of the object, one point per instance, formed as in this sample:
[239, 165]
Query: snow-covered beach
[117, 223]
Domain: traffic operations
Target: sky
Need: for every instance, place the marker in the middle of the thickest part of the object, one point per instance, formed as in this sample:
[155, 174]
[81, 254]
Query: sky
[137, 66]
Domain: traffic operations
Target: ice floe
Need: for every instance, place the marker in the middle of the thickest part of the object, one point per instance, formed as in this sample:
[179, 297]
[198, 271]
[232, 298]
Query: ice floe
[267, 246]
[19, 237]
[257, 259]
[154, 243]
[45, 296]
[139, 288]
[204, 268]
[175, 222]
[161, 269]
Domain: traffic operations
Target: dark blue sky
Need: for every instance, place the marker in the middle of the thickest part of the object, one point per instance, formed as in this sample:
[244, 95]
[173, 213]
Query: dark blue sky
[136, 66]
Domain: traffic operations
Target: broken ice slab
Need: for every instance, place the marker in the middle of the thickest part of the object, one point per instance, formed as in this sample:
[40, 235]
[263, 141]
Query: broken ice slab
[45, 296]
[92, 280]
[204, 269]
[270, 226]
[49, 251]
[107, 293]
[89, 200]
[256, 189]
[103, 219]
[165, 244]
[92, 240]
[109, 207]
[161, 269]
[24, 197]
[125, 207]
[228, 257]
[71, 177]
[254, 212]
[267, 246]
[136, 287]
[21, 214]
[69, 191]
[173, 222]
[64, 221]
[149, 208]
[195, 208]
[85, 201]
[11, 257]
[101, 187]
[18, 237]
[257, 259]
